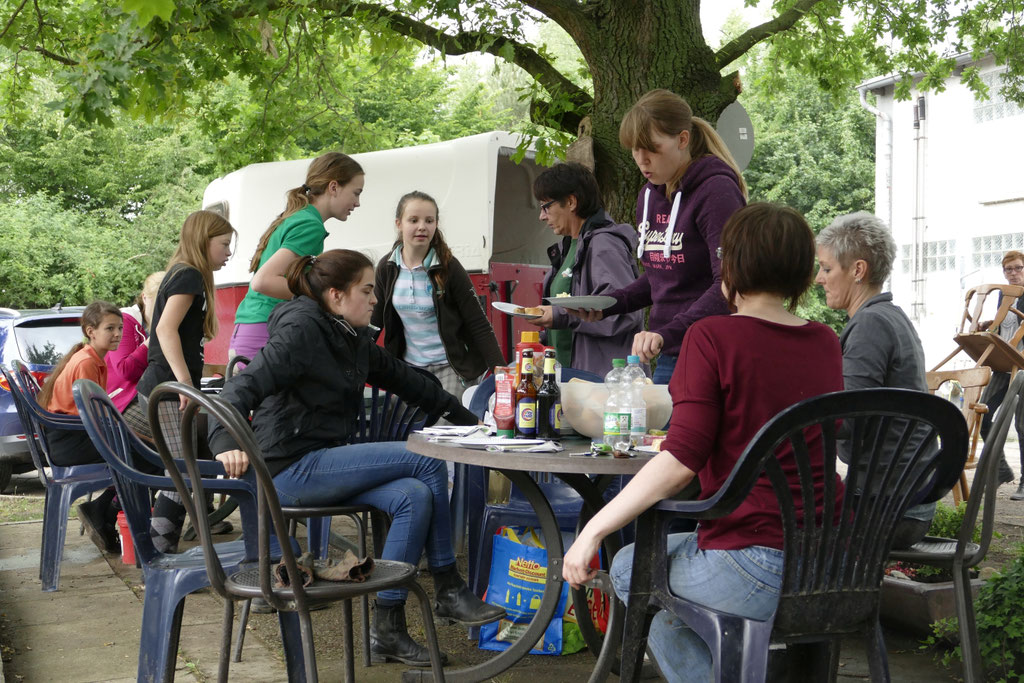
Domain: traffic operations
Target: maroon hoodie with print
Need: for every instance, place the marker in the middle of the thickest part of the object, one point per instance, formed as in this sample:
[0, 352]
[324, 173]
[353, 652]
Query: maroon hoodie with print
[686, 284]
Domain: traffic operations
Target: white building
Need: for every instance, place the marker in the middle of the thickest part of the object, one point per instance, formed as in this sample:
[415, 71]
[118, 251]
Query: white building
[948, 180]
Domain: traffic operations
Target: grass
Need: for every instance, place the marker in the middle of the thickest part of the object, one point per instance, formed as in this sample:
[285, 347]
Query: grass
[20, 508]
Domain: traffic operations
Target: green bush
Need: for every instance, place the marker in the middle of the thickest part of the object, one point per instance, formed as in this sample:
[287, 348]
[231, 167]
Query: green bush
[1000, 622]
[948, 520]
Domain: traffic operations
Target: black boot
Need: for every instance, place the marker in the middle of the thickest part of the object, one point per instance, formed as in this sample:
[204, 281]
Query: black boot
[454, 601]
[1019, 495]
[390, 641]
[99, 518]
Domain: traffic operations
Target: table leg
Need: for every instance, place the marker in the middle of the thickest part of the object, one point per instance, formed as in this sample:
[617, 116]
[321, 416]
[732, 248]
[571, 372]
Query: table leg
[602, 647]
[548, 603]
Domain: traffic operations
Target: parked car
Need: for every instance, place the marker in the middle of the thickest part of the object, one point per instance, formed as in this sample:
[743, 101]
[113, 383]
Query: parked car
[37, 338]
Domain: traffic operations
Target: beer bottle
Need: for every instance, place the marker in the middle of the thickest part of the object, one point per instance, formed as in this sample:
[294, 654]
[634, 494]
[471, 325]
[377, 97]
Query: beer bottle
[526, 399]
[549, 401]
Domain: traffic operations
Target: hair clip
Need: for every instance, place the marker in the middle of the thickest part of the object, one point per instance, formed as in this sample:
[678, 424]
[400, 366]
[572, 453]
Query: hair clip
[306, 188]
[312, 260]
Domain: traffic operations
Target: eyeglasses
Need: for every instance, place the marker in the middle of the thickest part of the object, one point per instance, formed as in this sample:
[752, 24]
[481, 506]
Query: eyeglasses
[1012, 269]
[547, 205]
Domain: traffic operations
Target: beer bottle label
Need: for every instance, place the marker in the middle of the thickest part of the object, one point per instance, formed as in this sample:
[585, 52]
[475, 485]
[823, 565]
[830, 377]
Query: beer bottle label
[556, 417]
[526, 415]
[549, 366]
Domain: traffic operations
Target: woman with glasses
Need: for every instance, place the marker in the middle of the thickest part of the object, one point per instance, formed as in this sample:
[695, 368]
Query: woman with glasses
[880, 345]
[594, 255]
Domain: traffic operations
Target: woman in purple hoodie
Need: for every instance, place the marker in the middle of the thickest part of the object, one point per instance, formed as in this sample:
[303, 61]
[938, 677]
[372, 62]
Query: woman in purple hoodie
[693, 187]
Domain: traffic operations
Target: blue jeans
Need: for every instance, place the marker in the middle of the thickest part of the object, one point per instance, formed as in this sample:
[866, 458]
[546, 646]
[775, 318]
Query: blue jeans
[663, 369]
[409, 487]
[743, 582]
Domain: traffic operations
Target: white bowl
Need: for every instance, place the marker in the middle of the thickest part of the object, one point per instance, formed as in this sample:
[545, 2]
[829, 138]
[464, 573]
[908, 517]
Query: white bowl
[583, 406]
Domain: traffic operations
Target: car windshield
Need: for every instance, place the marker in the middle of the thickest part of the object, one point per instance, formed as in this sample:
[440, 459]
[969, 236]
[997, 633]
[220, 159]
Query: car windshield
[45, 341]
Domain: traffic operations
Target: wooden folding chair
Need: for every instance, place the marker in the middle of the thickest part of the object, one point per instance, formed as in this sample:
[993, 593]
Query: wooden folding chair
[985, 346]
[972, 381]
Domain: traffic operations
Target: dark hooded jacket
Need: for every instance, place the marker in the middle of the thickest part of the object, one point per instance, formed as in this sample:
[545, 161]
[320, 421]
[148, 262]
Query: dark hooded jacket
[306, 385]
[686, 285]
[605, 261]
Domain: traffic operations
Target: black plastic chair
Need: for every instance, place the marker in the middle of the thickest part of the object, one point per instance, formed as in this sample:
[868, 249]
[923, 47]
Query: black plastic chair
[256, 582]
[961, 554]
[63, 485]
[834, 566]
[168, 578]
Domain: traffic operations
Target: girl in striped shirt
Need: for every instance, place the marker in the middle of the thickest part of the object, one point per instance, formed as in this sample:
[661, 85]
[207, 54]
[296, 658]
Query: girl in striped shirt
[428, 307]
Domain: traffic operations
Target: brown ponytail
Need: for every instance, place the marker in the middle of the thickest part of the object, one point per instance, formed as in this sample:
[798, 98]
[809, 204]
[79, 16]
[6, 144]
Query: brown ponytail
[92, 316]
[332, 166]
[337, 268]
[663, 111]
[437, 243]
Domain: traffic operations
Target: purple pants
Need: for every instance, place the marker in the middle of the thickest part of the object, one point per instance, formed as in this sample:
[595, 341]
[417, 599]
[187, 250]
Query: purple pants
[247, 340]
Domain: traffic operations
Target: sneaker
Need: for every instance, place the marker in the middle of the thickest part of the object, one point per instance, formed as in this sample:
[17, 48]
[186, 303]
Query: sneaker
[1019, 495]
[101, 533]
[1006, 477]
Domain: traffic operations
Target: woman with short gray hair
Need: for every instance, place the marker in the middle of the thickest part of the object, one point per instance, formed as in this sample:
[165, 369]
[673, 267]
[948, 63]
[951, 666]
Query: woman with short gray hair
[880, 345]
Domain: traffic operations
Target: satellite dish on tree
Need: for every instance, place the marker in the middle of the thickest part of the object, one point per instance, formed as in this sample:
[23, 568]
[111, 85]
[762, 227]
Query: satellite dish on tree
[737, 131]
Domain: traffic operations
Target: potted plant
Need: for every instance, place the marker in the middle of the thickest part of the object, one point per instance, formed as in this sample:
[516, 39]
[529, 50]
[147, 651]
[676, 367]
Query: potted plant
[914, 596]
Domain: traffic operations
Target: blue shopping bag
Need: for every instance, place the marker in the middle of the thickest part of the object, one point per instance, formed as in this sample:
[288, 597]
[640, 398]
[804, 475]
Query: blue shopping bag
[518, 576]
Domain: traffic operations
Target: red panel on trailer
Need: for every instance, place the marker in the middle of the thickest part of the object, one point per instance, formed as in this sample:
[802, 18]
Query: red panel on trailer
[227, 297]
[521, 285]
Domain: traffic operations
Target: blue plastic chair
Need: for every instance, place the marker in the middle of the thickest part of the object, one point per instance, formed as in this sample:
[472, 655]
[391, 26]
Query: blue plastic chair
[63, 485]
[485, 520]
[168, 577]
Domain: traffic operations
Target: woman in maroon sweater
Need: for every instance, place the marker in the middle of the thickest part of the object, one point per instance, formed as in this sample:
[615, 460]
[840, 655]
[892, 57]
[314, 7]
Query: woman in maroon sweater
[735, 373]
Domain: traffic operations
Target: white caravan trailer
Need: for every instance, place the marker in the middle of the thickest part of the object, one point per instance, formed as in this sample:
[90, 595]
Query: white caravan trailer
[485, 200]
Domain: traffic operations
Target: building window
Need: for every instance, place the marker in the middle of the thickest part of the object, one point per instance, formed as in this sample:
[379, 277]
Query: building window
[989, 250]
[997, 106]
[938, 255]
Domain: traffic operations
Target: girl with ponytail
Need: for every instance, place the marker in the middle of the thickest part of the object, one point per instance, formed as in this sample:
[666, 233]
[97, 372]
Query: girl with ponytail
[429, 309]
[101, 325]
[307, 383]
[693, 187]
[333, 184]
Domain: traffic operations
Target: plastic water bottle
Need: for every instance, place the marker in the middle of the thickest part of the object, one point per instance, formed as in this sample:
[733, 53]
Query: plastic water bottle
[616, 408]
[636, 379]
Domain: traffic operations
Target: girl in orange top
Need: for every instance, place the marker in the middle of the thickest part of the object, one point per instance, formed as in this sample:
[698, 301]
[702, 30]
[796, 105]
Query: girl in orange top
[101, 324]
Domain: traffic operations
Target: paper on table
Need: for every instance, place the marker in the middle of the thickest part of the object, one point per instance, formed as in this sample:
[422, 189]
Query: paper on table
[452, 431]
[511, 445]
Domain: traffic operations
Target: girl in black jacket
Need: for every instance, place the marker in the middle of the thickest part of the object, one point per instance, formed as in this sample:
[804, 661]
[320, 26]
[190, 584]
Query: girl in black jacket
[306, 388]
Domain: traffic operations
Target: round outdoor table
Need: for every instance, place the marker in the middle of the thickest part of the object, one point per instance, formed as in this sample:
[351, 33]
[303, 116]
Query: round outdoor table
[574, 466]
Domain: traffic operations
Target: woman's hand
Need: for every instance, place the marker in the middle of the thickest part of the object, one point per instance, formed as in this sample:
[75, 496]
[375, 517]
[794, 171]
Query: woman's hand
[545, 318]
[235, 462]
[576, 567]
[647, 345]
[585, 314]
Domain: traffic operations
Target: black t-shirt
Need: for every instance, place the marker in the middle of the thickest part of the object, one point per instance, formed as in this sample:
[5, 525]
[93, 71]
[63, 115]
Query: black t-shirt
[180, 279]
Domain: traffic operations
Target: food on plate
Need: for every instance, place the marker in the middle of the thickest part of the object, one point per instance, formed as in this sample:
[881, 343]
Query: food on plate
[529, 310]
[563, 295]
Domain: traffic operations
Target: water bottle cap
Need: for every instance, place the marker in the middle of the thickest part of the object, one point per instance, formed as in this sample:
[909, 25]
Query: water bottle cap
[619, 363]
[633, 360]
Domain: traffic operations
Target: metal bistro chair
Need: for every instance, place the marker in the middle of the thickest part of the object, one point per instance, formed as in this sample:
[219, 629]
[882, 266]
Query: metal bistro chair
[960, 554]
[256, 582]
[63, 485]
[833, 566]
[168, 578]
[386, 418]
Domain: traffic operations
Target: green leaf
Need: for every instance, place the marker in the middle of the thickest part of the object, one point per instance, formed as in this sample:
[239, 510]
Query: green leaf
[146, 10]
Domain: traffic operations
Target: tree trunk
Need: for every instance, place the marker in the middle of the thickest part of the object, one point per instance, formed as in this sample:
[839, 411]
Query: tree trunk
[632, 48]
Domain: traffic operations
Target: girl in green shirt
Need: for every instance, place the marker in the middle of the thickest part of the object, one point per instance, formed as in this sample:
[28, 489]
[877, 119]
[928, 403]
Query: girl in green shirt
[333, 184]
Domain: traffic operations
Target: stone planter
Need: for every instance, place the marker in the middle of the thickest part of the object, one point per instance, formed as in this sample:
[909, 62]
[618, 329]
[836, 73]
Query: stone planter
[914, 606]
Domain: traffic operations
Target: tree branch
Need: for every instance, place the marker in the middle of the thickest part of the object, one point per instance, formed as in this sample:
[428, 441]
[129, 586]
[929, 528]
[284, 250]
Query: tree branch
[737, 47]
[51, 55]
[11, 20]
[474, 41]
